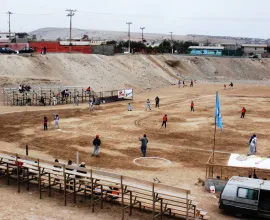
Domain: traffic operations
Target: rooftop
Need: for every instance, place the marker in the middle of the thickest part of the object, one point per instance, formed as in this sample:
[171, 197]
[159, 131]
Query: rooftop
[206, 47]
[254, 183]
[254, 45]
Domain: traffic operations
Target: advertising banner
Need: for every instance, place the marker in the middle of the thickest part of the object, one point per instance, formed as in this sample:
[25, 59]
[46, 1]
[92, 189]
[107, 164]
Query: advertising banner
[129, 93]
[121, 94]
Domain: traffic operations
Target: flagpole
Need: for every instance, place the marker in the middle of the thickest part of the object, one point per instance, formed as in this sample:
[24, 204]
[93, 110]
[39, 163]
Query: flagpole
[214, 146]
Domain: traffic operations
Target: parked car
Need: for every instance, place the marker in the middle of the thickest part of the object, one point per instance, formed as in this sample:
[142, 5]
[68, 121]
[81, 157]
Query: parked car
[254, 56]
[27, 50]
[246, 196]
[7, 50]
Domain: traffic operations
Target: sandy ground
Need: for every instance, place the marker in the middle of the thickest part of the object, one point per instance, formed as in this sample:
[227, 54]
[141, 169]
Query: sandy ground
[103, 73]
[187, 142]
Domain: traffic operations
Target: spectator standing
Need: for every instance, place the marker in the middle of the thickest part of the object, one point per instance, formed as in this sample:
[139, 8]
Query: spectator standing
[157, 102]
[148, 105]
[91, 105]
[253, 145]
[76, 100]
[144, 142]
[129, 107]
[45, 122]
[96, 144]
[54, 100]
[56, 121]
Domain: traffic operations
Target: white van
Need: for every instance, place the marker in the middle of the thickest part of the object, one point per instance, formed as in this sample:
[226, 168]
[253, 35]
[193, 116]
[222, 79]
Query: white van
[246, 195]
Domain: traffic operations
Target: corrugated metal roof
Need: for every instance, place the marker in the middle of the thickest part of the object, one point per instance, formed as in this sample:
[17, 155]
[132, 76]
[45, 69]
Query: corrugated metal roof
[206, 48]
[254, 45]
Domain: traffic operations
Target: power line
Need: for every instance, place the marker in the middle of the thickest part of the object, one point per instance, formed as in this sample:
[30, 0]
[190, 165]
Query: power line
[30, 14]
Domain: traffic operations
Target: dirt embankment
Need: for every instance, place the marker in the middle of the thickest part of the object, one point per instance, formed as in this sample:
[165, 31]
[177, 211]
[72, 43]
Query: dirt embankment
[137, 71]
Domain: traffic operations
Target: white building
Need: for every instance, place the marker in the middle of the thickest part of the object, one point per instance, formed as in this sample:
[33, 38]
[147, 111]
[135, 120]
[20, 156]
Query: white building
[250, 49]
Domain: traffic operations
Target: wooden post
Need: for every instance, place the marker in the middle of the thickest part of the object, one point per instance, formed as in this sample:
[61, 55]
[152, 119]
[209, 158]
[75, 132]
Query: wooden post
[220, 172]
[50, 188]
[74, 190]
[154, 200]
[4, 96]
[26, 149]
[130, 203]
[39, 180]
[82, 95]
[28, 184]
[187, 205]
[65, 184]
[92, 190]
[18, 174]
[122, 198]
[50, 97]
[161, 208]
[101, 196]
[77, 158]
[7, 173]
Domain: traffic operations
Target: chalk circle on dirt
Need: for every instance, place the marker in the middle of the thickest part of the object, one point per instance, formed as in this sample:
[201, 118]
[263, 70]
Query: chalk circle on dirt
[154, 162]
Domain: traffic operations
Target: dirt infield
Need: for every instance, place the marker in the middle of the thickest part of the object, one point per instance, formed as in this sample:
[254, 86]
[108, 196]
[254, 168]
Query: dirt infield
[187, 141]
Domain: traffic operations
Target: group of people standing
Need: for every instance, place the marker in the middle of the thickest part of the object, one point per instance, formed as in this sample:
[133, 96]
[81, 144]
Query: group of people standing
[56, 122]
[184, 85]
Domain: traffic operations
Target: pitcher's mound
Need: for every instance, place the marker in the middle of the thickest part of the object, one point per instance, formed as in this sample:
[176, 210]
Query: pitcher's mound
[152, 162]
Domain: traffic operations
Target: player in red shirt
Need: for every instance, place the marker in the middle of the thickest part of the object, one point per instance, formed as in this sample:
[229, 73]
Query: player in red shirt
[192, 106]
[165, 119]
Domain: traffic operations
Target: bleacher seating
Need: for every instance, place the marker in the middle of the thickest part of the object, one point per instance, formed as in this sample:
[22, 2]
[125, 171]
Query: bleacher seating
[99, 187]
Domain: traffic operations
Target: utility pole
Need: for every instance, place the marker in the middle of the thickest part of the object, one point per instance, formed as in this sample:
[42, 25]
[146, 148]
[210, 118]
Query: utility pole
[142, 32]
[70, 14]
[9, 32]
[129, 23]
[171, 41]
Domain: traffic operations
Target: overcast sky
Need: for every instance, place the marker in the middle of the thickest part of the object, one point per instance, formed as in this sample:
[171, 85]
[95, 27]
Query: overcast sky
[248, 18]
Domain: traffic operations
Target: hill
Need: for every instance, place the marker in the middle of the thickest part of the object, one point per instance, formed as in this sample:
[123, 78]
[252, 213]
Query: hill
[54, 33]
[137, 71]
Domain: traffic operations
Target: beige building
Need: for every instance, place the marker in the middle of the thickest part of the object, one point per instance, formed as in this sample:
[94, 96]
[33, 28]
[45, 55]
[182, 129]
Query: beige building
[250, 49]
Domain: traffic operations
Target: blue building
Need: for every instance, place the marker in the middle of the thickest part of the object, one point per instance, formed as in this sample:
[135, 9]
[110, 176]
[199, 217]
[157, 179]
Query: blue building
[206, 50]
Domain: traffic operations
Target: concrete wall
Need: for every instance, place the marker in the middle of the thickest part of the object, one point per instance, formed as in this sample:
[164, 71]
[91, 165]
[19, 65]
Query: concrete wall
[104, 49]
[55, 47]
[219, 184]
[266, 55]
[14, 46]
[255, 50]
